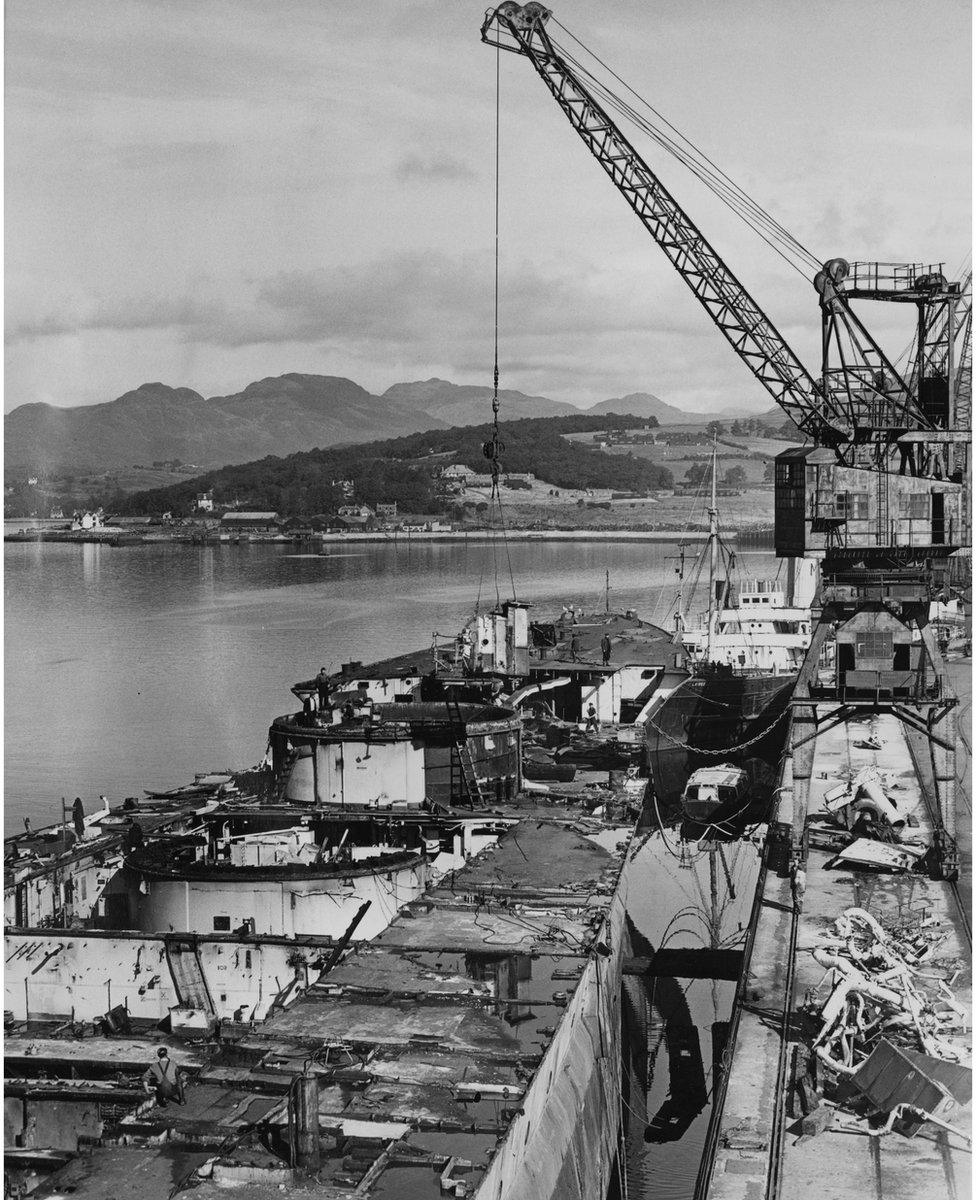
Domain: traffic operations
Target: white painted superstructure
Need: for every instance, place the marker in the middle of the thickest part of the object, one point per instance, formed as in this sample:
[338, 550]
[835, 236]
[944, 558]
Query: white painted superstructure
[766, 625]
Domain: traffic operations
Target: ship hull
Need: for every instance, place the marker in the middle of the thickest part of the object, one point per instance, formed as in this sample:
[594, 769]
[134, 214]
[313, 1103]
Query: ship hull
[738, 719]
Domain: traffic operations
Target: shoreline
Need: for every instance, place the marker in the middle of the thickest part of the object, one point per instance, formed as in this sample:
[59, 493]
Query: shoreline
[761, 538]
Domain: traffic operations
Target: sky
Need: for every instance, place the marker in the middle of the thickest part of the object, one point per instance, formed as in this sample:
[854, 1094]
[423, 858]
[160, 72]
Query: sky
[205, 193]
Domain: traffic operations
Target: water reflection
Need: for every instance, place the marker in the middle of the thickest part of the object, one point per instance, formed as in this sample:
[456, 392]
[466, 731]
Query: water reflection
[91, 562]
[689, 905]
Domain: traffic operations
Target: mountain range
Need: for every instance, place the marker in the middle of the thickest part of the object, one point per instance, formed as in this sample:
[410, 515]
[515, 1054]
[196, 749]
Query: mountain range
[278, 416]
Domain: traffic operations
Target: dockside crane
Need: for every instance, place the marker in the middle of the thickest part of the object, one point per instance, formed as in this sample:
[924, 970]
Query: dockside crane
[877, 496]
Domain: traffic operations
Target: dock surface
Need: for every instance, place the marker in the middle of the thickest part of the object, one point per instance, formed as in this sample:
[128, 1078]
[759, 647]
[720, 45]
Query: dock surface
[758, 1148]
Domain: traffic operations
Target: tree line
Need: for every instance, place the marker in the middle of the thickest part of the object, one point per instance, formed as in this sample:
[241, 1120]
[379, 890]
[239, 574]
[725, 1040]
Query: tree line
[406, 470]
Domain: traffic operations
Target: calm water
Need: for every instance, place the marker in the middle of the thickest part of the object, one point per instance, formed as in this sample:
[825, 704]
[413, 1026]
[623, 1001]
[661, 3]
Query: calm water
[134, 667]
[679, 896]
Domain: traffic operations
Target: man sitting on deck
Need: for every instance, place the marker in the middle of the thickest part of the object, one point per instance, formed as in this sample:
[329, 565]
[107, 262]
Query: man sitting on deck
[165, 1079]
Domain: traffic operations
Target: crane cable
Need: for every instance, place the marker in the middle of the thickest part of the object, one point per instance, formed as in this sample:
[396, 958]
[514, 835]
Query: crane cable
[718, 181]
[494, 446]
[736, 201]
[702, 158]
[719, 191]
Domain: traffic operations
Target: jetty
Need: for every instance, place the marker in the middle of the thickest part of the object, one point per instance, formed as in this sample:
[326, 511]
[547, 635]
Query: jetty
[785, 1126]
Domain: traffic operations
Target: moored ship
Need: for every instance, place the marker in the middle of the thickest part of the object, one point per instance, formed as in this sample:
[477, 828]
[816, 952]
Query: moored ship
[744, 654]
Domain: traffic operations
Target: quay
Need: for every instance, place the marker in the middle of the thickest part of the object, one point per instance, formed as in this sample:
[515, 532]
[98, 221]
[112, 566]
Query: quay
[761, 1145]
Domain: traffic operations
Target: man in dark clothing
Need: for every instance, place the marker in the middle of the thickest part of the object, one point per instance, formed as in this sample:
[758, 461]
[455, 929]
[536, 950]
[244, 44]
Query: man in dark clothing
[592, 724]
[164, 1079]
[574, 646]
[606, 646]
[132, 838]
[322, 686]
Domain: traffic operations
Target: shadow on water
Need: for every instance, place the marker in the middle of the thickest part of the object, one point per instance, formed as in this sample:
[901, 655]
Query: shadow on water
[689, 900]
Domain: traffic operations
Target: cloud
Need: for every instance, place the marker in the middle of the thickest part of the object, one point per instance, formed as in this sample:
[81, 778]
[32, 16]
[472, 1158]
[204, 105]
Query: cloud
[580, 333]
[167, 156]
[428, 297]
[435, 169]
[78, 314]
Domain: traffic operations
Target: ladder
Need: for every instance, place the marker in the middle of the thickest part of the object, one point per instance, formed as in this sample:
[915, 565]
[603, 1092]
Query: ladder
[464, 781]
[284, 775]
[884, 536]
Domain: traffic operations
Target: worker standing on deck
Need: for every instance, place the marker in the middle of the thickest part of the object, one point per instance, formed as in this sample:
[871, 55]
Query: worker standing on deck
[132, 838]
[165, 1079]
[606, 646]
[574, 646]
[322, 686]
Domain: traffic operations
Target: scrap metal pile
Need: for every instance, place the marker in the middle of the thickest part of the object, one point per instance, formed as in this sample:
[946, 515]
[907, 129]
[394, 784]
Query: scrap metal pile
[566, 761]
[891, 1045]
[876, 815]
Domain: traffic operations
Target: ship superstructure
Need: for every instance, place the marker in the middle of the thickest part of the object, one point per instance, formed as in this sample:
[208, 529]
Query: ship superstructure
[379, 951]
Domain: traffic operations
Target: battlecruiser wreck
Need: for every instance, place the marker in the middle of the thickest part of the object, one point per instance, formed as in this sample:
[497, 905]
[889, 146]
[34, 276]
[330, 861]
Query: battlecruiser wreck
[383, 959]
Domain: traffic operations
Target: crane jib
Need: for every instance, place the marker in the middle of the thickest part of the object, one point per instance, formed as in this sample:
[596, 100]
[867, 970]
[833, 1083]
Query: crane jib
[733, 310]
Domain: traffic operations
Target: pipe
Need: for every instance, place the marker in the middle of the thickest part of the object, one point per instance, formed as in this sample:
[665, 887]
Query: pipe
[306, 1122]
[529, 785]
[547, 685]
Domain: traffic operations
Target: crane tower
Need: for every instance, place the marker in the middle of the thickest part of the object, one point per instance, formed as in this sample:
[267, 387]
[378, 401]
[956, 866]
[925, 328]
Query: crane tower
[876, 494]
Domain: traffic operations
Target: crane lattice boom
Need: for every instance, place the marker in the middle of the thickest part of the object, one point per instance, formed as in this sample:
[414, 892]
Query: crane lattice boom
[750, 332]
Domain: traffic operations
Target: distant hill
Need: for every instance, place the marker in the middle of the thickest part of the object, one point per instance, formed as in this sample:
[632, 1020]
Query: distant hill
[154, 422]
[467, 404]
[274, 416]
[643, 404]
[404, 470]
[145, 422]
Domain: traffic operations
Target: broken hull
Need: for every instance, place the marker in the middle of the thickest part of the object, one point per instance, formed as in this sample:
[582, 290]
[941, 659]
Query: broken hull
[715, 713]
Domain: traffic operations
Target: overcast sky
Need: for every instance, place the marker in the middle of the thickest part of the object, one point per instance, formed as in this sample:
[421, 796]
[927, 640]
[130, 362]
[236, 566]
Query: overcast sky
[206, 193]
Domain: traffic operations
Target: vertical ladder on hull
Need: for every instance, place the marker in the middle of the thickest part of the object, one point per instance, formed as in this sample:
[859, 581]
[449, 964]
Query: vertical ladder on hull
[463, 777]
[286, 765]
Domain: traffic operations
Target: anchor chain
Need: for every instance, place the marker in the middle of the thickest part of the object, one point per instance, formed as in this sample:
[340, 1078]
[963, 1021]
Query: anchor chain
[725, 750]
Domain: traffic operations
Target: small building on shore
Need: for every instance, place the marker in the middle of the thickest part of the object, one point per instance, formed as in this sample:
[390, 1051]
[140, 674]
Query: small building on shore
[87, 520]
[250, 520]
